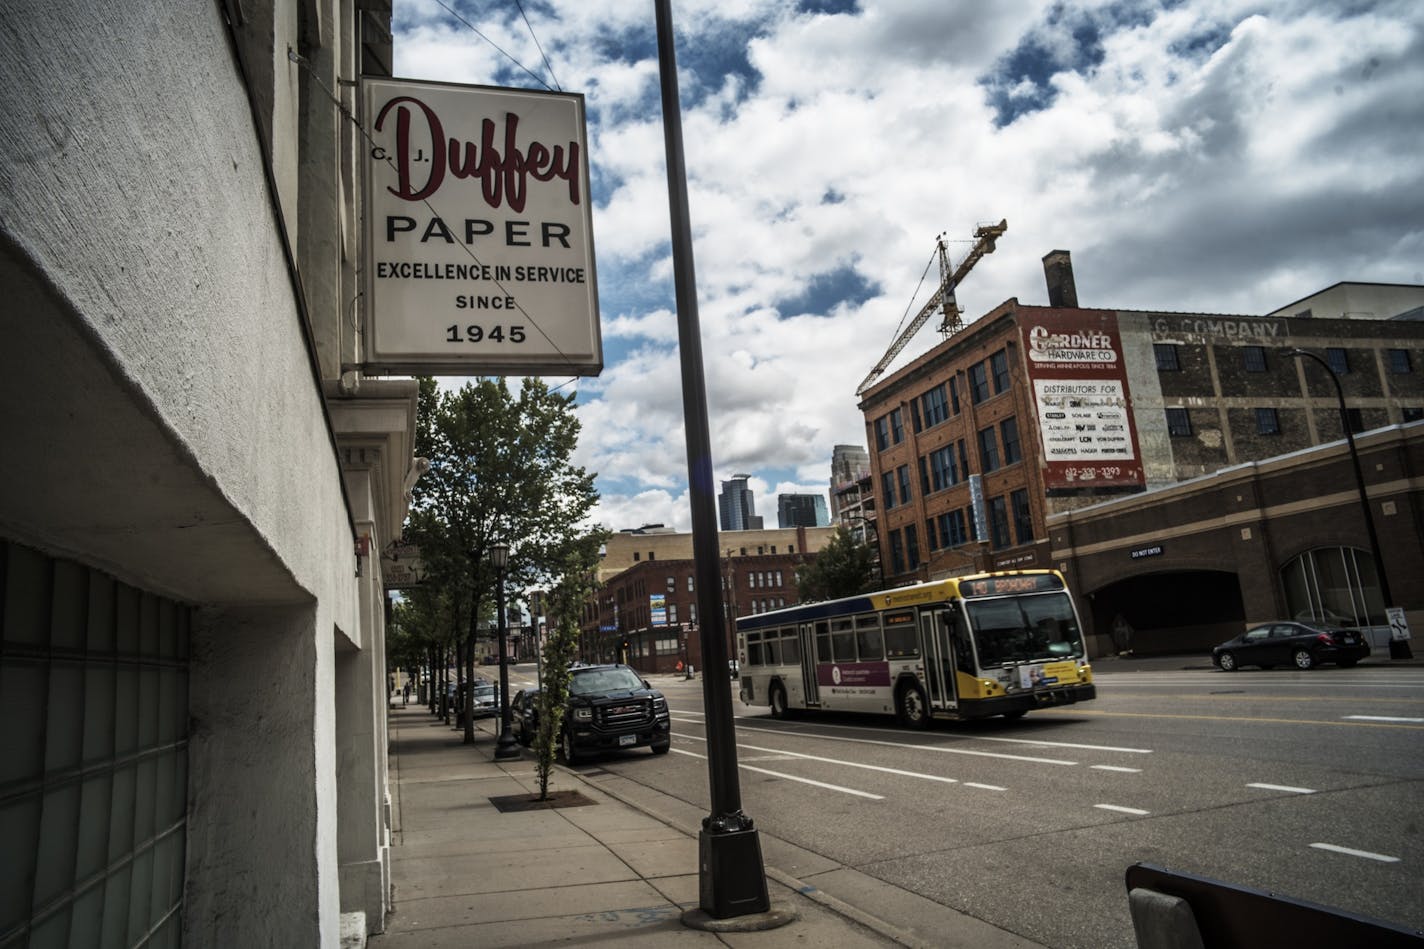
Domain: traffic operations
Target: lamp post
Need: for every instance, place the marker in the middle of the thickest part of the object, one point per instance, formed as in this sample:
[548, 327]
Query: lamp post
[1398, 649]
[505, 746]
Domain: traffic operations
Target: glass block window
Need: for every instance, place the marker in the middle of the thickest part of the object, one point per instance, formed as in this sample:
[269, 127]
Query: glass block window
[94, 785]
[1178, 422]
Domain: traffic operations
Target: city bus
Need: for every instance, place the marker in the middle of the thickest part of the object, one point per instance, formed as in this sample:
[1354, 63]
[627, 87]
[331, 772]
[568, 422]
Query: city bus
[960, 648]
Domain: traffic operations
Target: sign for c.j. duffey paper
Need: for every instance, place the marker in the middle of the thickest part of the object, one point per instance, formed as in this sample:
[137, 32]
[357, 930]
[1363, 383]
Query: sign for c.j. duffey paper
[479, 232]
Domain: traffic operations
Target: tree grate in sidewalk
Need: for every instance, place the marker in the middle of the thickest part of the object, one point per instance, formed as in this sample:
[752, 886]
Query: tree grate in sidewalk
[530, 802]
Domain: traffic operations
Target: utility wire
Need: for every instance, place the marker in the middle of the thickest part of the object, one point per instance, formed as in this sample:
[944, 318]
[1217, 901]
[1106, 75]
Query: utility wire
[537, 78]
[547, 65]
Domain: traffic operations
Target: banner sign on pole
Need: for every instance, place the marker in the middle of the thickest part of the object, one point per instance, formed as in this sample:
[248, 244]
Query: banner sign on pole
[479, 232]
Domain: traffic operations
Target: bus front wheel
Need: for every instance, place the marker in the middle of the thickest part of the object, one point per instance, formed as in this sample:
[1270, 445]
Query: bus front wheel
[779, 708]
[913, 709]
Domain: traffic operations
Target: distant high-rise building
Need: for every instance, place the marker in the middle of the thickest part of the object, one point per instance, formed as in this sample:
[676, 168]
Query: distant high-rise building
[801, 510]
[736, 507]
[849, 463]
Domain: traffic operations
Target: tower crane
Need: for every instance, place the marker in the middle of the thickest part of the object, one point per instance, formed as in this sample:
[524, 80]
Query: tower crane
[943, 299]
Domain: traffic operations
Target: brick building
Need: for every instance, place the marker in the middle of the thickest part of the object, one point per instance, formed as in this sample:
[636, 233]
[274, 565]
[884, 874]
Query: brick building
[1035, 411]
[645, 610]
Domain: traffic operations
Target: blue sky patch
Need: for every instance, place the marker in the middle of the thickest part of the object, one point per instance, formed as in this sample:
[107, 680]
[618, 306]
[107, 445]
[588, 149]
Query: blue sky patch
[824, 291]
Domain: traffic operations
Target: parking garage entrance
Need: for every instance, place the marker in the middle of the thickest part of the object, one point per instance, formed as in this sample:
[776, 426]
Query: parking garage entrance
[1156, 614]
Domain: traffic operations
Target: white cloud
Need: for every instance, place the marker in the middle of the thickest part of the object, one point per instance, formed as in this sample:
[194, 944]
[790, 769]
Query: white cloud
[1220, 156]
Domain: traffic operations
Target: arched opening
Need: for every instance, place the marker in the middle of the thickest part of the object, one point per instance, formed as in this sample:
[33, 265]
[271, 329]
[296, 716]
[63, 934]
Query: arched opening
[1166, 613]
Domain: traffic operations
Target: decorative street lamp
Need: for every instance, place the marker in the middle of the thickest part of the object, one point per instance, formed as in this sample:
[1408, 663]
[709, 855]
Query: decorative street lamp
[1398, 649]
[505, 746]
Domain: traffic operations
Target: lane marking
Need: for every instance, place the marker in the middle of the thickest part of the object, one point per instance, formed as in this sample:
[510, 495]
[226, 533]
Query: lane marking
[792, 777]
[1110, 767]
[1381, 718]
[1381, 857]
[987, 787]
[1231, 718]
[1282, 787]
[1123, 810]
[912, 746]
[1067, 744]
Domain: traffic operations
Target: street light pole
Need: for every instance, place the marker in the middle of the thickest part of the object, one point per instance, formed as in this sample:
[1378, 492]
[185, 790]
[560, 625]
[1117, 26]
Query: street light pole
[731, 877]
[505, 746]
[1398, 649]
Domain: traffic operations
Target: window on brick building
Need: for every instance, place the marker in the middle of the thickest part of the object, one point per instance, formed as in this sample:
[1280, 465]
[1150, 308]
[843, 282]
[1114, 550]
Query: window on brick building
[1399, 362]
[1023, 515]
[897, 553]
[999, 366]
[1178, 422]
[1253, 358]
[897, 427]
[1166, 355]
[1412, 413]
[1267, 422]
[954, 395]
[1338, 359]
[1009, 435]
[978, 383]
[934, 406]
[999, 522]
[912, 546]
[887, 488]
[882, 433]
[904, 472]
[988, 450]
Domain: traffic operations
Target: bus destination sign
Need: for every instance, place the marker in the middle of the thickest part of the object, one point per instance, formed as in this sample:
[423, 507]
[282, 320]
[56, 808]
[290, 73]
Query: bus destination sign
[1016, 583]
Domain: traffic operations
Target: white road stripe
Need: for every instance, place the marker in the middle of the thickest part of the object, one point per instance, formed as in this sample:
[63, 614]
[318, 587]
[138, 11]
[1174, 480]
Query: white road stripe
[913, 747]
[987, 787]
[792, 777]
[1124, 810]
[1108, 767]
[852, 764]
[1382, 718]
[1282, 787]
[1382, 858]
[1067, 744]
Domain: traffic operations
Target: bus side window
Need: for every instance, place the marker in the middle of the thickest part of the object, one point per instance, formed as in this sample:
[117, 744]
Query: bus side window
[823, 641]
[867, 636]
[790, 647]
[843, 640]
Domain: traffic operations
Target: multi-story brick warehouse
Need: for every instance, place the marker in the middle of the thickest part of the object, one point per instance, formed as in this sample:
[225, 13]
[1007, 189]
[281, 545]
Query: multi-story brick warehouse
[645, 609]
[1032, 411]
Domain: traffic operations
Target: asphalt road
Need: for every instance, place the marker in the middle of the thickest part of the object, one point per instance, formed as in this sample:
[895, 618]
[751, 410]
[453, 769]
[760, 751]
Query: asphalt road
[1306, 784]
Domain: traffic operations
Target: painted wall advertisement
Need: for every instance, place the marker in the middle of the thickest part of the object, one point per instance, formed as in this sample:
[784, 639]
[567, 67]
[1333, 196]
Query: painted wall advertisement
[1080, 391]
[479, 232]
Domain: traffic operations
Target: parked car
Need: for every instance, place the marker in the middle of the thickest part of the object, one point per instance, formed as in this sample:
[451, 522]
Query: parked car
[524, 712]
[486, 698]
[611, 707]
[1302, 645]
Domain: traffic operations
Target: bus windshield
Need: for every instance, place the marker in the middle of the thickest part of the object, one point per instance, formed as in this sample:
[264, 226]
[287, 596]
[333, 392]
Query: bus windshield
[1024, 628]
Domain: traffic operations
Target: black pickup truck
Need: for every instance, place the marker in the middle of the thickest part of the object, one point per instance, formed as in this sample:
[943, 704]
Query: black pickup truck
[611, 707]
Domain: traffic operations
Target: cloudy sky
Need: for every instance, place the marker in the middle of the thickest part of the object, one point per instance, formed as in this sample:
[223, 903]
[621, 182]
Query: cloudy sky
[1219, 156]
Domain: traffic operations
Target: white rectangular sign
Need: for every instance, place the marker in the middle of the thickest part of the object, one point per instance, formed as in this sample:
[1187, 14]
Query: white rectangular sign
[479, 232]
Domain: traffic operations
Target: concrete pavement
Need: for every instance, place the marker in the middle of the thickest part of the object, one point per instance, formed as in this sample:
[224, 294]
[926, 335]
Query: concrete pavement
[618, 866]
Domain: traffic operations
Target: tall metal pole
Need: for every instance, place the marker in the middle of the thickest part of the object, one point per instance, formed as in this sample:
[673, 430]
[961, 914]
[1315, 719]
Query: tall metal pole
[505, 746]
[1397, 649]
[731, 877]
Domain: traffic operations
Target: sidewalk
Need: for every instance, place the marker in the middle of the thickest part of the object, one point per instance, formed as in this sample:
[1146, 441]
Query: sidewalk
[465, 873]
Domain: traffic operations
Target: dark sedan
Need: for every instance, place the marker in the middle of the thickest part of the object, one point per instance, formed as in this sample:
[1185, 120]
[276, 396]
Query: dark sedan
[1301, 645]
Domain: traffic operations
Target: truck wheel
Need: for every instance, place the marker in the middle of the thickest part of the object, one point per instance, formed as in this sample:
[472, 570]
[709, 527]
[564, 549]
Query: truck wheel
[566, 744]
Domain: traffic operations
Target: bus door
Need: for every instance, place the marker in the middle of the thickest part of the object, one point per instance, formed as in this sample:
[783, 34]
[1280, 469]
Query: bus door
[806, 633]
[938, 653]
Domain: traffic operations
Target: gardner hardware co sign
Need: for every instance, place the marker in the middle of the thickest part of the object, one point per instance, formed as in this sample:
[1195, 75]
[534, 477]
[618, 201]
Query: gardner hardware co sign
[479, 232]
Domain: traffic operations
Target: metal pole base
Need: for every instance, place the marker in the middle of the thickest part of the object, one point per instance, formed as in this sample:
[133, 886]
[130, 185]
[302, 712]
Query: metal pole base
[505, 746]
[731, 881]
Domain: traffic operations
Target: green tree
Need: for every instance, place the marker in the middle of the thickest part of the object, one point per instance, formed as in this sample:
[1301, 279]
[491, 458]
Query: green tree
[501, 471]
[844, 567]
[566, 601]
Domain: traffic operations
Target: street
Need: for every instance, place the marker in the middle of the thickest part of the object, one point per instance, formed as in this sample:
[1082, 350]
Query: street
[1307, 784]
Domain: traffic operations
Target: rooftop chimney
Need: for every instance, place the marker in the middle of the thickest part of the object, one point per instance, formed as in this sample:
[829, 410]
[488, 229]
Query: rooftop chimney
[1058, 271]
